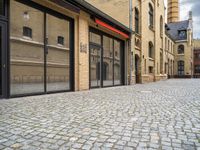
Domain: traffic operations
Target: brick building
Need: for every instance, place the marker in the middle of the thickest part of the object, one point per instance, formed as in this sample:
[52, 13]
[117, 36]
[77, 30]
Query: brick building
[57, 46]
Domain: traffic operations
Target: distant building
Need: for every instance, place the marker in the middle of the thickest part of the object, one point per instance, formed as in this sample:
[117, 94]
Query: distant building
[181, 34]
[196, 59]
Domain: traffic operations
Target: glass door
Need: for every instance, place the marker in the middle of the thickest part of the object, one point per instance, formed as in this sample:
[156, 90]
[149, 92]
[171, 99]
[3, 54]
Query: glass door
[57, 54]
[2, 59]
[95, 66]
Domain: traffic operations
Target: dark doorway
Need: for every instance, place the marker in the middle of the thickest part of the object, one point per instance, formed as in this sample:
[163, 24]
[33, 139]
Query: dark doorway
[137, 74]
[2, 59]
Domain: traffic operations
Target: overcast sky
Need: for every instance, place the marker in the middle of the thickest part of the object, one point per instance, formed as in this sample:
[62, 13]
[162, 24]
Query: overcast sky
[194, 6]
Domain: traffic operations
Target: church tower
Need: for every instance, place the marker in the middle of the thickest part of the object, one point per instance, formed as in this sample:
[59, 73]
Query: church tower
[173, 11]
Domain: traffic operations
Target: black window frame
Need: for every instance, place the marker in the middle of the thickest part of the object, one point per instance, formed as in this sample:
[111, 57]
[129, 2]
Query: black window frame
[27, 32]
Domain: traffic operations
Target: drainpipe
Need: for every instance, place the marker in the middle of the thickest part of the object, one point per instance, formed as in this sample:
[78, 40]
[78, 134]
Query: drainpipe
[130, 45]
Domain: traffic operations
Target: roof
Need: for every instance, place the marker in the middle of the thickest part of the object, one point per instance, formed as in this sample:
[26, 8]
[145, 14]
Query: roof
[95, 12]
[175, 27]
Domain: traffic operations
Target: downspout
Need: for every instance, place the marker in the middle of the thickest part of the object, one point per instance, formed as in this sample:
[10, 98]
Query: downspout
[130, 41]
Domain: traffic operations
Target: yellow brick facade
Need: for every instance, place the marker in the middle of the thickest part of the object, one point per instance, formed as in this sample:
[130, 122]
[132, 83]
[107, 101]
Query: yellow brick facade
[165, 59]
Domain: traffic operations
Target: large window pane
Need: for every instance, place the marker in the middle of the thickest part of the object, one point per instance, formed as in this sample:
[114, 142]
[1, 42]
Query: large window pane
[58, 57]
[95, 66]
[107, 61]
[26, 53]
[117, 63]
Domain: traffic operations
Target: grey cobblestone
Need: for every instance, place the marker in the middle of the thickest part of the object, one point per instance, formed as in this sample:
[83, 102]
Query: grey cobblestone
[161, 115]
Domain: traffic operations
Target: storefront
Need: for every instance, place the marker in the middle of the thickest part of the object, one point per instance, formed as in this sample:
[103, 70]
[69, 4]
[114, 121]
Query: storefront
[39, 52]
[106, 60]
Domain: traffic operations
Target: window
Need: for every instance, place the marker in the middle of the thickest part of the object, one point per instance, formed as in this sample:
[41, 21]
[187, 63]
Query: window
[151, 53]
[180, 67]
[150, 69]
[181, 49]
[60, 40]
[150, 16]
[27, 32]
[136, 20]
[197, 68]
[161, 26]
[182, 34]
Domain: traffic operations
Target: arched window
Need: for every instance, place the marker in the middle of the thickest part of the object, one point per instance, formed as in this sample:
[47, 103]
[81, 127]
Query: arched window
[151, 53]
[136, 20]
[180, 67]
[181, 49]
[161, 26]
[150, 16]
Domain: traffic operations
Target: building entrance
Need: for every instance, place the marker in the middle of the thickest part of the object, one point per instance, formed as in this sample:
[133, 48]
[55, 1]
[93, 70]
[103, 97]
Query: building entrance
[106, 60]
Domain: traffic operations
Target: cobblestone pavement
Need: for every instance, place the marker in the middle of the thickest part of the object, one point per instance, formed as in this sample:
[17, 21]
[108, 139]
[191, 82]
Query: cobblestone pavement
[161, 115]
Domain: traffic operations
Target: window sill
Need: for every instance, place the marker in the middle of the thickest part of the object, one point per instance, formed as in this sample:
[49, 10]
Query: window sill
[180, 54]
[137, 34]
[151, 59]
[27, 38]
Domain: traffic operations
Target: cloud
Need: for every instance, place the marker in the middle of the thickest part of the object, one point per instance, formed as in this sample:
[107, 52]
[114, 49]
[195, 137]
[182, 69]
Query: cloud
[194, 6]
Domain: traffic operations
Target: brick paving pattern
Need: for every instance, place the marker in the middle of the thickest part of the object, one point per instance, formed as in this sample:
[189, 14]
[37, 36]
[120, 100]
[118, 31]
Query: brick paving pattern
[162, 115]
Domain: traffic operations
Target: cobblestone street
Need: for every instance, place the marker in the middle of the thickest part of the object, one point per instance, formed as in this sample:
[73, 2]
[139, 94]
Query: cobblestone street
[161, 115]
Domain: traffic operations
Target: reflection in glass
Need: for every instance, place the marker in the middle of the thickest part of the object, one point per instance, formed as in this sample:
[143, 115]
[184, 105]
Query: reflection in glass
[107, 61]
[26, 54]
[58, 57]
[117, 65]
[95, 38]
[95, 66]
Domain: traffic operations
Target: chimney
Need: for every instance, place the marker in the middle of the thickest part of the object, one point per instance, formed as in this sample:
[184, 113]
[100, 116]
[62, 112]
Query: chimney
[190, 15]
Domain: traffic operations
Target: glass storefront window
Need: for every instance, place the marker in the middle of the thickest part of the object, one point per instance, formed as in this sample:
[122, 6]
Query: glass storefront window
[117, 63]
[38, 66]
[107, 61]
[58, 57]
[26, 54]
